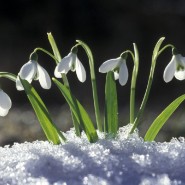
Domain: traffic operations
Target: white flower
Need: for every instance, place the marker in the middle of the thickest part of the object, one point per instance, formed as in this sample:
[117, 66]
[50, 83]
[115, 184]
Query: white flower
[118, 66]
[176, 67]
[5, 103]
[32, 70]
[70, 62]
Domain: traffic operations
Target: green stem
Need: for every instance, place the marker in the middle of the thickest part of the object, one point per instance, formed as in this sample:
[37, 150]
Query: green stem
[75, 122]
[135, 59]
[93, 81]
[143, 104]
[155, 55]
[165, 47]
[8, 75]
[48, 53]
[57, 58]
[133, 83]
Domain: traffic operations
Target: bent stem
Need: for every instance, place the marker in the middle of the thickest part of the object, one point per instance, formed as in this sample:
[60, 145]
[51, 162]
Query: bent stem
[93, 81]
[47, 52]
[156, 53]
[165, 47]
[8, 75]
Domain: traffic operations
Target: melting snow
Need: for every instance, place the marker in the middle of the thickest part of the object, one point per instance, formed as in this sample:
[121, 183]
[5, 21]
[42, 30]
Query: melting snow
[120, 161]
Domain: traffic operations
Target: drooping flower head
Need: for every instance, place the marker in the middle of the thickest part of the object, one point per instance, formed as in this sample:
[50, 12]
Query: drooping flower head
[176, 67]
[33, 71]
[71, 62]
[5, 103]
[118, 66]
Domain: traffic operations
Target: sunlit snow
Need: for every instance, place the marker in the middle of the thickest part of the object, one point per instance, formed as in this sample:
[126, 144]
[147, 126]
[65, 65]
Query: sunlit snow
[120, 161]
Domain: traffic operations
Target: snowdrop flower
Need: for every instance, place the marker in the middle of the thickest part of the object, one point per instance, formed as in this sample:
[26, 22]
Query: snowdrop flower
[71, 62]
[118, 66]
[32, 70]
[176, 67]
[5, 103]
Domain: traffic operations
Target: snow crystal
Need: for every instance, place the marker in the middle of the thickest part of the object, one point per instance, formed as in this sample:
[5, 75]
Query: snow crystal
[125, 160]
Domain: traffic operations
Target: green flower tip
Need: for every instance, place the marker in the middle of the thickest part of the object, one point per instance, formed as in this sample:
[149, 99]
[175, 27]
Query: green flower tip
[174, 51]
[124, 55]
[49, 33]
[78, 41]
[74, 49]
[34, 56]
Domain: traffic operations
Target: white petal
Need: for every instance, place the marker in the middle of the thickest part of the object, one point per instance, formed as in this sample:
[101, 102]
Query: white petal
[19, 85]
[109, 65]
[180, 75]
[5, 103]
[80, 70]
[65, 65]
[56, 73]
[180, 60]
[28, 70]
[3, 112]
[123, 73]
[116, 75]
[169, 70]
[43, 77]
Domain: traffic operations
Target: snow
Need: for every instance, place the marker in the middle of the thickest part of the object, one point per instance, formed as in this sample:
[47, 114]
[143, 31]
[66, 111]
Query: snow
[119, 161]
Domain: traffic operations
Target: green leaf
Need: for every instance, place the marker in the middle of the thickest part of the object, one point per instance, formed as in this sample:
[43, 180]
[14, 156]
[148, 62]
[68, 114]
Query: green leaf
[149, 84]
[156, 48]
[111, 105]
[64, 77]
[54, 47]
[10, 76]
[52, 133]
[162, 118]
[79, 112]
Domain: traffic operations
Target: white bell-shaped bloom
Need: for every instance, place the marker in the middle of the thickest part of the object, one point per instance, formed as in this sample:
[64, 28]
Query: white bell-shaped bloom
[176, 67]
[33, 71]
[118, 66]
[70, 62]
[5, 103]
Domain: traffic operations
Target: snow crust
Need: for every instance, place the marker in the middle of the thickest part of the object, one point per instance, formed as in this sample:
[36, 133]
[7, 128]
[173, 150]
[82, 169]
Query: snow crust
[120, 161]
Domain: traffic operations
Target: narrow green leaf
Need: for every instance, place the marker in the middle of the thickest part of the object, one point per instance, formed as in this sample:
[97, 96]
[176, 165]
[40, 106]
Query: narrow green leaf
[162, 118]
[8, 75]
[54, 47]
[52, 133]
[79, 112]
[111, 105]
[157, 47]
[64, 77]
[149, 84]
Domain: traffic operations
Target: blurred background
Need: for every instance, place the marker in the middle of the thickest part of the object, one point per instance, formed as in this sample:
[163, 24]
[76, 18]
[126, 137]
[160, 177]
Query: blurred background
[109, 28]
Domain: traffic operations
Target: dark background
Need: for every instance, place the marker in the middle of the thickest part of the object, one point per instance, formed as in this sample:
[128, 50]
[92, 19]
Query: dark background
[109, 28]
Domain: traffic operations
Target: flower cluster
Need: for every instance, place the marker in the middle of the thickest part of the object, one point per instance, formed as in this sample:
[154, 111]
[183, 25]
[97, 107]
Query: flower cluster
[32, 70]
[115, 68]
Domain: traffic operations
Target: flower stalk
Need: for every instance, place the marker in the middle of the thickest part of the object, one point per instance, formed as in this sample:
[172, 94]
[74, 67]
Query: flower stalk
[94, 85]
[64, 78]
[156, 53]
[135, 58]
